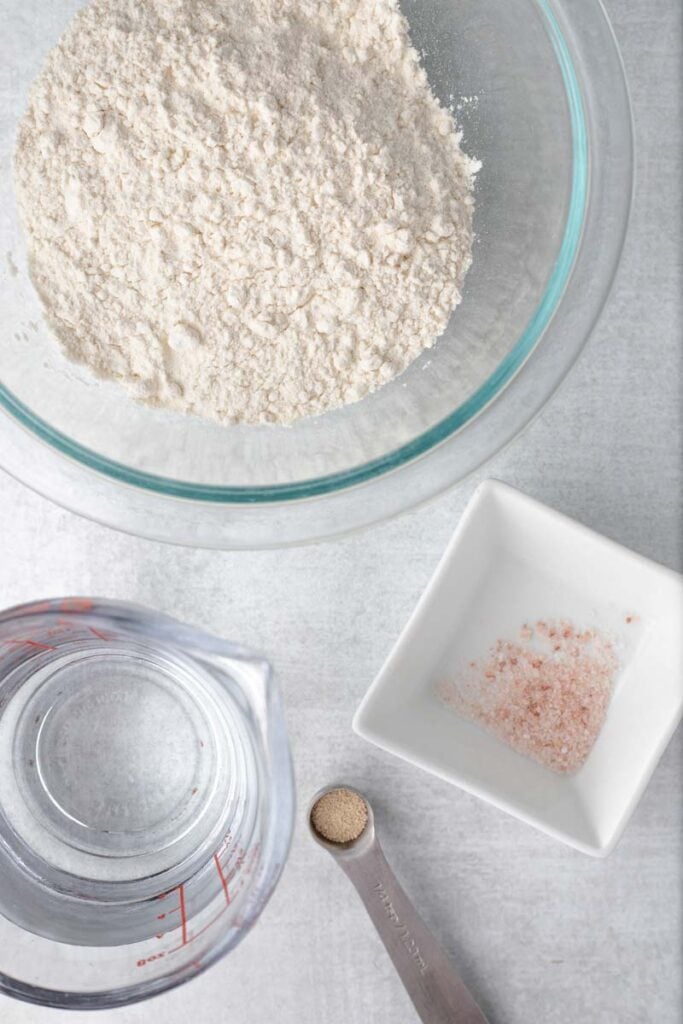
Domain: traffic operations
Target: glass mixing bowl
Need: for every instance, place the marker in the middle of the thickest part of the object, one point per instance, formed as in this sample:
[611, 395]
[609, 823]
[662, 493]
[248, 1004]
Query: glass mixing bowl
[539, 90]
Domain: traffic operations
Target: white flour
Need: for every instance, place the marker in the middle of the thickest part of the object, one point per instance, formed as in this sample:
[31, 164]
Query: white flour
[250, 210]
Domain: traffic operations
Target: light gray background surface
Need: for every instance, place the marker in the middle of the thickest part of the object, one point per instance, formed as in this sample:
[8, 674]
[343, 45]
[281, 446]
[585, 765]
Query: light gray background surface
[544, 935]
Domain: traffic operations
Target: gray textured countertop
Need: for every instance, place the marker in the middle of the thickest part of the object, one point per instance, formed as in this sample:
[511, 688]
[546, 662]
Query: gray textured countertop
[541, 933]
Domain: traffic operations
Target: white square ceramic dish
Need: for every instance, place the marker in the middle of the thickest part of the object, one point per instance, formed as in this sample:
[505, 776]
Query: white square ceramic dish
[513, 560]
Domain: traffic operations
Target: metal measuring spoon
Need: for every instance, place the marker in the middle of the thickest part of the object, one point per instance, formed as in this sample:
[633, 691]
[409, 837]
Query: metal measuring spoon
[438, 993]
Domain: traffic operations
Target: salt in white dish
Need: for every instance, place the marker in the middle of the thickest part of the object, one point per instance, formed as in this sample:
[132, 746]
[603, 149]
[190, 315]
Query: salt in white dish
[512, 561]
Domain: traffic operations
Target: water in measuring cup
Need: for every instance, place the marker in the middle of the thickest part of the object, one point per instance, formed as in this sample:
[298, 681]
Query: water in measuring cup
[127, 775]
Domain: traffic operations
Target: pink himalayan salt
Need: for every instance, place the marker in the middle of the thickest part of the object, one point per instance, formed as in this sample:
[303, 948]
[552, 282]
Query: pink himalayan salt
[546, 694]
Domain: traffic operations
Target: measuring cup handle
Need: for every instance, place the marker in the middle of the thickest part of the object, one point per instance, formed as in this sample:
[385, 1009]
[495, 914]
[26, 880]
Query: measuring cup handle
[438, 993]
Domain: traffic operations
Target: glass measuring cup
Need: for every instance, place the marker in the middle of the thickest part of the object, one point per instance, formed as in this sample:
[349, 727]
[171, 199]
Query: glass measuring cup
[146, 800]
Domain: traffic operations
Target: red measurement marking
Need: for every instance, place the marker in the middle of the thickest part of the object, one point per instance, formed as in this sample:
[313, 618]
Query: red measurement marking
[225, 844]
[183, 917]
[96, 632]
[33, 643]
[201, 930]
[75, 604]
[181, 907]
[224, 881]
[160, 917]
[148, 959]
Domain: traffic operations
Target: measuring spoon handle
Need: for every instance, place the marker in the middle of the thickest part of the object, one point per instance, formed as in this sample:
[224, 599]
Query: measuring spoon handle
[438, 993]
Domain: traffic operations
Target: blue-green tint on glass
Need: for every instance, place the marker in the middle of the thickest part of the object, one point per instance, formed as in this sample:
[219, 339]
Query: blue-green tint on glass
[430, 438]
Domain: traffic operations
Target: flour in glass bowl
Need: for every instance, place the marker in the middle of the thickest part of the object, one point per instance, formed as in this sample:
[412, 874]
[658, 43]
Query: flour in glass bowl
[246, 210]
